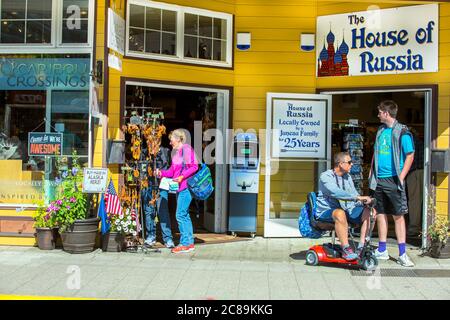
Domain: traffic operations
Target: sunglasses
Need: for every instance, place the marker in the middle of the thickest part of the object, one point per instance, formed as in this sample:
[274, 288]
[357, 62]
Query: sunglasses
[349, 162]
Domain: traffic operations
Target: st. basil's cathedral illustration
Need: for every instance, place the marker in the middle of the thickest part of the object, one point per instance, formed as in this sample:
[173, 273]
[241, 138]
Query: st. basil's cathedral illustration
[331, 63]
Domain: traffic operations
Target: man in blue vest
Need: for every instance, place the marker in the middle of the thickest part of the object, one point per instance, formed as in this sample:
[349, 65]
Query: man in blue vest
[392, 159]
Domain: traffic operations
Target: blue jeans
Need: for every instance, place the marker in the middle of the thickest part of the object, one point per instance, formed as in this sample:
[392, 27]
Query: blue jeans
[184, 199]
[163, 215]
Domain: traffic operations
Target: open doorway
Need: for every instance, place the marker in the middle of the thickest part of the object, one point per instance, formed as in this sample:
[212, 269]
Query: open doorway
[196, 110]
[354, 129]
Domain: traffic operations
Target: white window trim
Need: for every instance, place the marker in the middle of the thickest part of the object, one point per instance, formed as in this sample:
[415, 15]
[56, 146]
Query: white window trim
[56, 45]
[179, 57]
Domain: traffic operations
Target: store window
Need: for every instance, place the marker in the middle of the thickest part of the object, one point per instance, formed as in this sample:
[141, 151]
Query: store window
[30, 105]
[75, 21]
[174, 33]
[152, 30]
[70, 116]
[26, 21]
[205, 37]
[45, 23]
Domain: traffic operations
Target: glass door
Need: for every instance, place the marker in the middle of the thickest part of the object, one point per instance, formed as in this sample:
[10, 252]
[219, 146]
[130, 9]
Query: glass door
[298, 149]
[214, 219]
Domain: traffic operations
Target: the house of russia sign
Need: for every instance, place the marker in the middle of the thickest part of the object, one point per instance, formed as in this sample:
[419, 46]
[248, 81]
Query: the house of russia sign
[388, 41]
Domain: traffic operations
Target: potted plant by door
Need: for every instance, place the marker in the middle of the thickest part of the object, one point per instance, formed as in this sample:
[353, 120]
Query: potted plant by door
[438, 235]
[122, 225]
[45, 225]
[78, 231]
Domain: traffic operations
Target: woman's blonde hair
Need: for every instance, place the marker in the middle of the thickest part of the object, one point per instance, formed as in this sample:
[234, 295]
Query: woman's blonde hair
[178, 133]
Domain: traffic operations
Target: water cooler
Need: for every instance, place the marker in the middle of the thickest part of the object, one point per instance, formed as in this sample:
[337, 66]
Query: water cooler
[244, 184]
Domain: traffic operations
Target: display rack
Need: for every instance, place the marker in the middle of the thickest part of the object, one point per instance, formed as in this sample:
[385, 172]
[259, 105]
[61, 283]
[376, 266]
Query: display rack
[353, 143]
[145, 132]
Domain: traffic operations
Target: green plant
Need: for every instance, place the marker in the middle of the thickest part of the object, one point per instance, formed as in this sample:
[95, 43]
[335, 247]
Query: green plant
[71, 202]
[438, 230]
[43, 218]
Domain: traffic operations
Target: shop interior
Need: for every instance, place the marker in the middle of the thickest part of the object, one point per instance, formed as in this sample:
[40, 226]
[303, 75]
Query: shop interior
[25, 111]
[180, 109]
[355, 124]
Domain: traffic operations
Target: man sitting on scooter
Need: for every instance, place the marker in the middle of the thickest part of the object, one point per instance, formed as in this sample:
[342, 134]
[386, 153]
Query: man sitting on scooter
[339, 201]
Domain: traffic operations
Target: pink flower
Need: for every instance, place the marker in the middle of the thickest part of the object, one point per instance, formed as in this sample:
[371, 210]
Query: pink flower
[68, 207]
[72, 199]
[59, 202]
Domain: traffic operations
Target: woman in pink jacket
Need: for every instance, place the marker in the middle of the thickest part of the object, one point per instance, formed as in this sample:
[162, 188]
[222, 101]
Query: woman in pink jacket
[184, 165]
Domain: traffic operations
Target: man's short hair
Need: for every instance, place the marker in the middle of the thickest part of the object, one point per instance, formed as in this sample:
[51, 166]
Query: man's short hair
[340, 157]
[389, 106]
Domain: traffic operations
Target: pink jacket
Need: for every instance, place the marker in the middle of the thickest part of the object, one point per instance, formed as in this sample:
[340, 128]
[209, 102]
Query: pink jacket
[176, 169]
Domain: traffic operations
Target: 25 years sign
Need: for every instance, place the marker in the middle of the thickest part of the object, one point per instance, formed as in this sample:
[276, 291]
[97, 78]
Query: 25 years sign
[299, 128]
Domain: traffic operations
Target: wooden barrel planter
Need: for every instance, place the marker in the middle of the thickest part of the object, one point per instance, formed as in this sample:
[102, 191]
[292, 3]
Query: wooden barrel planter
[440, 250]
[46, 238]
[112, 242]
[80, 237]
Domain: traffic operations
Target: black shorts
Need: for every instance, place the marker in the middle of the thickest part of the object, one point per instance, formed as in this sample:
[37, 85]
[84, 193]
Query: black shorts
[391, 199]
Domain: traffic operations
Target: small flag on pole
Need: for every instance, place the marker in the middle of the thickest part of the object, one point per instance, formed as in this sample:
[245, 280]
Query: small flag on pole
[103, 215]
[112, 200]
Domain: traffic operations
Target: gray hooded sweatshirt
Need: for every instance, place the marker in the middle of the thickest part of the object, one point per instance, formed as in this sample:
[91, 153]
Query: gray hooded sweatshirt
[336, 192]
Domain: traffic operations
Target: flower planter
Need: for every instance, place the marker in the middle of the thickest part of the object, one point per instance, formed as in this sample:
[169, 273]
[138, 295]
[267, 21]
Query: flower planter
[80, 237]
[46, 238]
[439, 250]
[112, 242]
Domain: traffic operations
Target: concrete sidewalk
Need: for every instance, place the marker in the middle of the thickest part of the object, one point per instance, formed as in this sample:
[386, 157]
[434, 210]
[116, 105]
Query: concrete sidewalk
[255, 269]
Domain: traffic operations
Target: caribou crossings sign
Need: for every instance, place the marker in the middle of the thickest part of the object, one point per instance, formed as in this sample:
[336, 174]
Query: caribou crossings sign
[372, 42]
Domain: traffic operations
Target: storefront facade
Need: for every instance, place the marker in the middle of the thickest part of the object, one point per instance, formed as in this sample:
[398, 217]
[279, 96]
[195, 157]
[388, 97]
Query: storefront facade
[46, 58]
[273, 62]
[167, 52]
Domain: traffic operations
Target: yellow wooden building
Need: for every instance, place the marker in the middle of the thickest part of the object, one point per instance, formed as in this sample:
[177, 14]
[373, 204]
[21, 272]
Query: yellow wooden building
[238, 81]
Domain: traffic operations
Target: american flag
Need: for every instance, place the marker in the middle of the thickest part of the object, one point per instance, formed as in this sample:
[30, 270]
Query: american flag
[112, 200]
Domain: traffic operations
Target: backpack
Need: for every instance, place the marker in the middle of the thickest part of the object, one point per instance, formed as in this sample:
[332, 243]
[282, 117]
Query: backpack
[200, 184]
[306, 214]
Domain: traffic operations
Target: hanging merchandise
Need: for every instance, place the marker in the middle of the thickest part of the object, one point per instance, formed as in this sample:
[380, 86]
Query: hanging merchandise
[143, 143]
[354, 145]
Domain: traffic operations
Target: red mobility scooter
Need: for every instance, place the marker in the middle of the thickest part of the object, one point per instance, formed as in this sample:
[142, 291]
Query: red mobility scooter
[332, 252]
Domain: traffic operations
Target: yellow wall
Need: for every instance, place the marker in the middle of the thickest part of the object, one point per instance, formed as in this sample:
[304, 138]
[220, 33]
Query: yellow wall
[162, 71]
[275, 64]
[442, 78]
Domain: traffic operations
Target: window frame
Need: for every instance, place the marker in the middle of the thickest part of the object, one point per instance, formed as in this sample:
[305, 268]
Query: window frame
[179, 51]
[56, 45]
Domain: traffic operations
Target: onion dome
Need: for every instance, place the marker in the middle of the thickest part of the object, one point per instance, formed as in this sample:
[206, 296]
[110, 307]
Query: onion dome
[324, 54]
[330, 37]
[343, 48]
[337, 57]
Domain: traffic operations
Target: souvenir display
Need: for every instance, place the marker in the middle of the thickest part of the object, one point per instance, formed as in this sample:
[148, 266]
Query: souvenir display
[353, 144]
[143, 141]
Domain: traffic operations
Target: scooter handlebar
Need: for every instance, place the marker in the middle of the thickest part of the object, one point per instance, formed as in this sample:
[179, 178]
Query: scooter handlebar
[372, 204]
